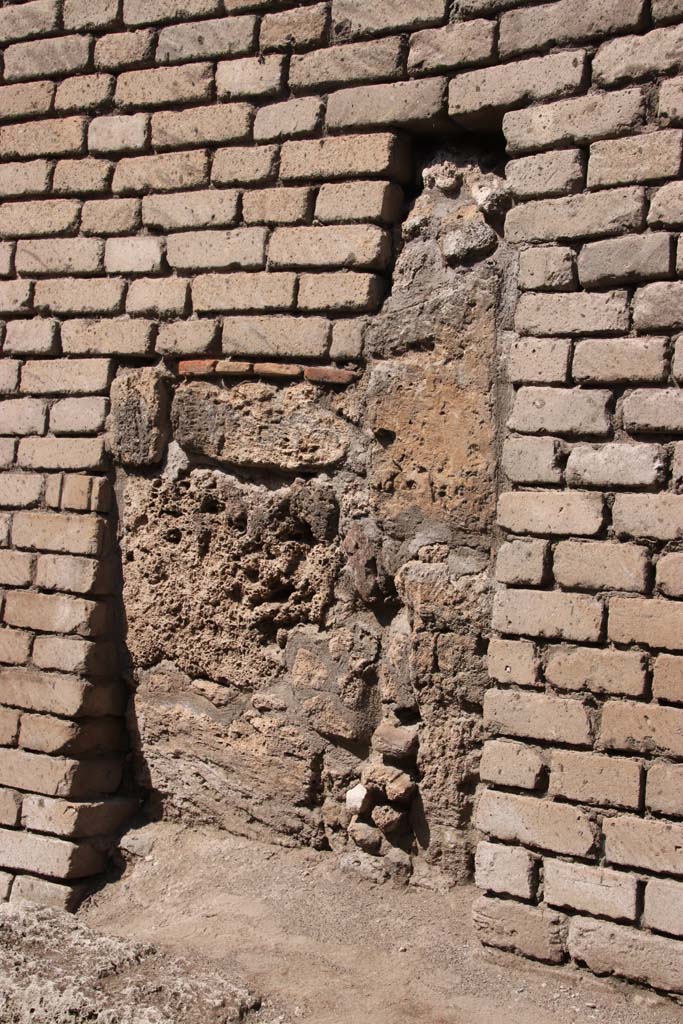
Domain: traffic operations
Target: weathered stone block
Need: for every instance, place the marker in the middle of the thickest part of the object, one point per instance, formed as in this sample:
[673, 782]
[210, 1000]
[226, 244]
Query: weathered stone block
[533, 931]
[138, 424]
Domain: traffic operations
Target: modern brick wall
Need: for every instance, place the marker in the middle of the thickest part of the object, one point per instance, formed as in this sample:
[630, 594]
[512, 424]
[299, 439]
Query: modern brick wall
[214, 182]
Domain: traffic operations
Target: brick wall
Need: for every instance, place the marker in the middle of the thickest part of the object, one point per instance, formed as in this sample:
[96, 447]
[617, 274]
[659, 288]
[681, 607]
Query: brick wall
[215, 182]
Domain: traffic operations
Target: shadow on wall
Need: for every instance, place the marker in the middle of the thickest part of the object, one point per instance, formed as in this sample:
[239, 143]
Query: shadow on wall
[307, 566]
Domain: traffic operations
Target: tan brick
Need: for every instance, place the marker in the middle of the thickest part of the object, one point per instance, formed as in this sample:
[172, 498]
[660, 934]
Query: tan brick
[570, 411]
[667, 682]
[566, 21]
[353, 18]
[244, 165]
[17, 179]
[400, 103]
[133, 255]
[362, 247]
[58, 532]
[653, 845]
[26, 100]
[616, 465]
[378, 155]
[595, 779]
[548, 174]
[649, 515]
[579, 668]
[585, 216]
[163, 87]
[548, 614]
[55, 613]
[508, 763]
[78, 416]
[537, 823]
[7, 451]
[642, 728]
[57, 693]
[659, 306]
[664, 906]
[16, 569]
[118, 133]
[457, 45]
[142, 12]
[9, 375]
[42, 257]
[10, 813]
[276, 336]
[250, 76]
[644, 158]
[277, 206]
[77, 820]
[538, 360]
[110, 216]
[76, 575]
[124, 49]
[186, 337]
[654, 623]
[341, 65]
[522, 562]
[31, 337]
[9, 728]
[20, 490]
[532, 460]
[48, 894]
[547, 268]
[292, 119]
[634, 57]
[666, 10]
[537, 932]
[670, 574]
[220, 37]
[601, 565]
[84, 92]
[677, 367]
[82, 177]
[243, 292]
[31, 19]
[506, 869]
[654, 411]
[165, 172]
[56, 858]
[22, 416]
[72, 654]
[623, 260]
[297, 29]
[61, 453]
[667, 205]
[229, 122]
[94, 14]
[68, 295]
[628, 952]
[551, 314]
[579, 120]
[340, 293]
[359, 201]
[243, 248]
[6, 259]
[46, 57]
[48, 217]
[592, 890]
[58, 736]
[105, 337]
[481, 97]
[156, 297]
[671, 101]
[536, 716]
[512, 661]
[15, 296]
[210, 208]
[15, 646]
[664, 792]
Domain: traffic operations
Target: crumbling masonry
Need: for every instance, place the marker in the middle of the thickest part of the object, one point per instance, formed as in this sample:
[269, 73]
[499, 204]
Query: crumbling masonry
[282, 324]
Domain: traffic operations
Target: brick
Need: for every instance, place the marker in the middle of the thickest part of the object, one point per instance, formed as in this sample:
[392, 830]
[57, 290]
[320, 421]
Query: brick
[592, 890]
[6, 259]
[635, 57]
[353, 18]
[538, 361]
[68, 295]
[16, 569]
[537, 932]
[677, 367]
[654, 410]
[105, 337]
[48, 894]
[362, 246]
[347, 340]
[628, 952]
[536, 716]
[164, 172]
[80, 177]
[75, 575]
[31, 19]
[550, 314]
[10, 810]
[667, 683]
[536, 823]
[378, 155]
[292, 119]
[663, 909]
[45, 58]
[58, 532]
[84, 92]
[56, 693]
[616, 465]
[601, 565]
[228, 122]
[549, 614]
[595, 779]
[666, 10]
[110, 216]
[298, 29]
[17, 179]
[522, 562]
[506, 869]
[659, 306]
[43, 257]
[512, 661]
[55, 613]
[151, 296]
[480, 98]
[61, 453]
[277, 206]
[567, 21]
[186, 337]
[257, 77]
[78, 416]
[15, 646]
[666, 207]
[133, 255]
[664, 792]
[243, 248]
[400, 103]
[341, 65]
[462, 44]
[532, 460]
[56, 858]
[652, 845]
[607, 360]
[118, 133]
[359, 201]
[57, 736]
[22, 416]
[15, 296]
[220, 37]
[26, 100]
[574, 121]
[9, 728]
[585, 668]
[76, 820]
[7, 451]
[548, 174]
[73, 654]
[142, 12]
[289, 337]
[585, 216]
[670, 574]
[124, 50]
[649, 157]
[671, 101]
[243, 292]
[51, 137]
[633, 258]
[642, 728]
[570, 411]
[95, 14]
[340, 293]
[163, 87]
[659, 516]
[242, 165]
[547, 268]
[20, 490]
[48, 217]
[654, 623]
[507, 763]
[209, 208]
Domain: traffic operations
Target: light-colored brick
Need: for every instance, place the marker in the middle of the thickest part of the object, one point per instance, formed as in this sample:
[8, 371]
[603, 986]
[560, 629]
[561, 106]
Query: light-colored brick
[124, 50]
[359, 201]
[642, 728]
[20, 490]
[19, 21]
[95, 14]
[667, 10]
[671, 101]
[26, 99]
[600, 671]
[616, 465]
[164, 172]
[462, 44]
[653, 845]
[61, 453]
[220, 37]
[110, 216]
[133, 255]
[55, 613]
[73, 654]
[522, 561]
[354, 18]
[548, 174]
[31, 337]
[644, 158]
[400, 103]
[596, 891]
[659, 516]
[632, 258]
[16, 568]
[567, 21]
[66, 376]
[276, 337]
[537, 932]
[75, 819]
[68, 295]
[257, 77]
[666, 207]
[634, 57]
[362, 247]
[595, 779]
[585, 216]
[601, 565]
[210, 208]
[340, 65]
[664, 906]
[277, 206]
[667, 680]
[51, 137]
[560, 314]
[242, 165]
[18, 179]
[512, 661]
[22, 416]
[76, 575]
[84, 92]
[654, 410]
[549, 614]
[508, 763]
[340, 293]
[15, 296]
[536, 716]
[56, 858]
[628, 952]
[38, 217]
[143, 12]
[506, 869]
[164, 87]
[547, 268]
[664, 793]
[46, 734]
[78, 416]
[536, 823]
[45, 58]
[347, 340]
[153, 296]
[290, 120]
[570, 411]
[299, 29]
[216, 293]
[356, 156]
[659, 306]
[240, 249]
[670, 574]
[538, 361]
[43, 257]
[228, 122]
[186, 337]
[57, 693]
[653, 623]
[118, 133]
[6, 259]
[578, 120]
[82, 177]
[9, 375]
[532, 460]
[15, 646]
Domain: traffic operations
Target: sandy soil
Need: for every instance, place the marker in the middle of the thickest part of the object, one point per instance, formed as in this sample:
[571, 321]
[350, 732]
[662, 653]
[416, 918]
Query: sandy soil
[324, 947]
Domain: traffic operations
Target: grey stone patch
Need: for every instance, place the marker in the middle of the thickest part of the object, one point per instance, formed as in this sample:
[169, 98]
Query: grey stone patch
[138, 421]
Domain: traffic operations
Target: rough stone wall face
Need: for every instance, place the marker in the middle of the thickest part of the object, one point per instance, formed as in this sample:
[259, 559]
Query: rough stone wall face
[260, 271]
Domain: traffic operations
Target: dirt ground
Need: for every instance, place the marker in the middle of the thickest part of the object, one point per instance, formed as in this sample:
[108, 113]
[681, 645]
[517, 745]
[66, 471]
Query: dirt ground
[325, 947]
